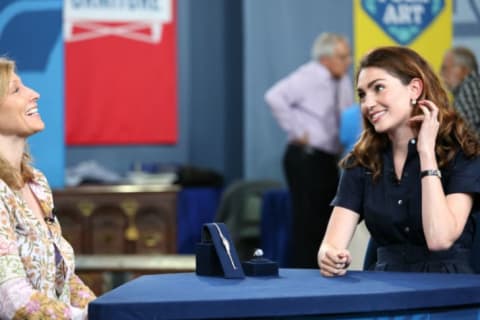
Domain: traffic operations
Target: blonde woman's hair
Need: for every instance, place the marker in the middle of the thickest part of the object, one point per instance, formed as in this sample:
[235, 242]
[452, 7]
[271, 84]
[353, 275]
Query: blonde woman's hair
[8, 173]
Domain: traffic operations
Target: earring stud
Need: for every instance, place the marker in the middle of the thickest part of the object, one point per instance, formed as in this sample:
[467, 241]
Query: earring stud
[413, 102]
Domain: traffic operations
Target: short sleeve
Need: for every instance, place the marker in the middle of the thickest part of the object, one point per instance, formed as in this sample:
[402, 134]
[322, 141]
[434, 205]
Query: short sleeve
[464, 175]
[350, 192]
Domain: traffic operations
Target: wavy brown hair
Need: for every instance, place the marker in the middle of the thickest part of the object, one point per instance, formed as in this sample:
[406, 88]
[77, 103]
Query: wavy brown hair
[12, 177]
[453, 135]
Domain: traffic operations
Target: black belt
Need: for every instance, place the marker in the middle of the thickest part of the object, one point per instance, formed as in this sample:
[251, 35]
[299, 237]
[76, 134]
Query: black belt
[409, 254]
[309, 149]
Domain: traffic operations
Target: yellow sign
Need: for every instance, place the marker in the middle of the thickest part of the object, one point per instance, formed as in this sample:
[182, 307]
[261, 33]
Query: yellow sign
[423, 25]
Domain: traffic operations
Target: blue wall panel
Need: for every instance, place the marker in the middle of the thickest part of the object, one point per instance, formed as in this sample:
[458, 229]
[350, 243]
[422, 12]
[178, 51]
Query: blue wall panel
[278, 35]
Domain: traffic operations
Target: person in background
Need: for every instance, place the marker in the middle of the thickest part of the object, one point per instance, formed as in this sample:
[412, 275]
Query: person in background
[37, 278]
[461, 76]
[307, 105]
[413, 176]
[350, 127]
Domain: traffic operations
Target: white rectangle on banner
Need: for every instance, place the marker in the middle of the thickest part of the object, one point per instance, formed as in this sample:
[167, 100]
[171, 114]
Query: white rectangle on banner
[133, 14]
[118, 10]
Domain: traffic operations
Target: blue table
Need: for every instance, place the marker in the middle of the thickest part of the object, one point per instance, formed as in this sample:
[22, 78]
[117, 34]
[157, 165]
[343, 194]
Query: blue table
[296, 292]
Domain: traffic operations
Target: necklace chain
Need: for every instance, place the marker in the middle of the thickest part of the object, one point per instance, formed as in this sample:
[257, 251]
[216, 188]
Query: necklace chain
[226, 245]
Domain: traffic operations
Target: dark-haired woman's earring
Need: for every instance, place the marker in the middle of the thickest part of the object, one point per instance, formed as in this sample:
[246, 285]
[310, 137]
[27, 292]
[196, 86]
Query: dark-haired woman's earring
[413, 102]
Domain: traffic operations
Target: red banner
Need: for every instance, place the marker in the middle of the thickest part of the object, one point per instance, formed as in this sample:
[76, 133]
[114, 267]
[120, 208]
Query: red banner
[120, 72]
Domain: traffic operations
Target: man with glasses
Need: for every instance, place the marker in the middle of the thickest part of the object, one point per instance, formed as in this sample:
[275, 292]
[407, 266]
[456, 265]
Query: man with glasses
[307, 105]
[461, 76]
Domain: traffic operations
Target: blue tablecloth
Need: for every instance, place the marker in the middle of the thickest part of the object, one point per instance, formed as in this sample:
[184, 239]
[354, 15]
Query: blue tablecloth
[296, 292]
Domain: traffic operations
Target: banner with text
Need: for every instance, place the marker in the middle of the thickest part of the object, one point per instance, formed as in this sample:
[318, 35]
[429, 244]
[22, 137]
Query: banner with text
[423, 25]
[120, 72]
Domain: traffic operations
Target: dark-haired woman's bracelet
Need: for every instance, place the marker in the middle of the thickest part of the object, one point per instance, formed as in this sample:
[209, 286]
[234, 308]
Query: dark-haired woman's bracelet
[431, 172]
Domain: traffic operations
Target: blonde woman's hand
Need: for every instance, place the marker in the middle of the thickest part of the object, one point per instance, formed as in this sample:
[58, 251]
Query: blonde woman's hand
[427, 135]
[333, 262]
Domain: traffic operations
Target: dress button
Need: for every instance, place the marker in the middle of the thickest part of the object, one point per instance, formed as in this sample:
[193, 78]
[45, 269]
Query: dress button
[400, 202]
[407, 229]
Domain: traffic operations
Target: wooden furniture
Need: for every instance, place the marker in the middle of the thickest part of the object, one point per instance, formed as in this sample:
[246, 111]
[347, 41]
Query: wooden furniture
[120, 219]
[111, 227]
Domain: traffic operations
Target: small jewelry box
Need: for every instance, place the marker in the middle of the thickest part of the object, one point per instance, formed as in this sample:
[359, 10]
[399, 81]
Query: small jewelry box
[259, 266]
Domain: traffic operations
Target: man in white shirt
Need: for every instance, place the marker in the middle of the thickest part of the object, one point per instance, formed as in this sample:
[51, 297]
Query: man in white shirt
[307, 105]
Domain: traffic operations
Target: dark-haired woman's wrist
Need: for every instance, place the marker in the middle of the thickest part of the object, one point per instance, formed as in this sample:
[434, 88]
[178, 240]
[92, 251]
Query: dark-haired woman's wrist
[427, 160]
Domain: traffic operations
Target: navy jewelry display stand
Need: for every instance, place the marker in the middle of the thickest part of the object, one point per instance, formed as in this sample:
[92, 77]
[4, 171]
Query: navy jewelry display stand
[215, 255]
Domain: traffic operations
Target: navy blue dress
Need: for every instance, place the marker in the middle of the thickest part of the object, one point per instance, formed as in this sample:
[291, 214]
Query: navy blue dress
[391, 209]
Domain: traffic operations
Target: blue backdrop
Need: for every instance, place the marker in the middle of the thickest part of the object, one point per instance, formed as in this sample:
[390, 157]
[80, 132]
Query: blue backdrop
[229, 53]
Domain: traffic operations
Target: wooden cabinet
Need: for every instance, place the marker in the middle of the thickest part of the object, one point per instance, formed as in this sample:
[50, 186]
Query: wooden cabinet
[119, 219]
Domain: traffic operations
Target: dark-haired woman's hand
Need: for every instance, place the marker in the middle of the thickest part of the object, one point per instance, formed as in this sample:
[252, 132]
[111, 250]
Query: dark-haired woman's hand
[333, 262]
[427, 135]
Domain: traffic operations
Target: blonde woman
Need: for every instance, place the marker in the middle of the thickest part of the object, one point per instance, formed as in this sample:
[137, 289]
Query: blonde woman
[37, 279]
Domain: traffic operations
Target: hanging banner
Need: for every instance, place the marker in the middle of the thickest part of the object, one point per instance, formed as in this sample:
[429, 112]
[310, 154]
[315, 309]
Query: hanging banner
[120, 61]
[423, 25]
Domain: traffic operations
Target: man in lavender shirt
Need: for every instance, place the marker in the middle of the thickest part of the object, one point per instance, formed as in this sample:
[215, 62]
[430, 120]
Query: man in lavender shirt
[307, 104]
